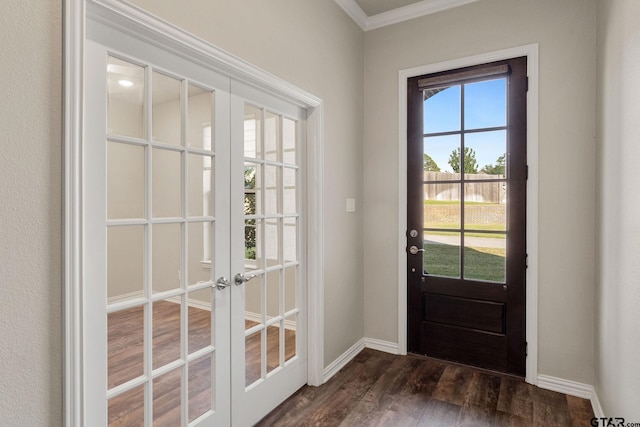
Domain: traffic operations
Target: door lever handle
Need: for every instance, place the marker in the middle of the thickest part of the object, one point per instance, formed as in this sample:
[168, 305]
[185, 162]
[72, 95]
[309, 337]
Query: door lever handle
[222, 283]
[240, 278]
[414, 250]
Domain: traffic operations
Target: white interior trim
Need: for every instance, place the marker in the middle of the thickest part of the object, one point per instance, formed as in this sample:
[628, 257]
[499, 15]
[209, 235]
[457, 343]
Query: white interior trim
[380, 345]
[531, 52]
[342, 360]
[401, 14]
[572, 388]
[134, 21]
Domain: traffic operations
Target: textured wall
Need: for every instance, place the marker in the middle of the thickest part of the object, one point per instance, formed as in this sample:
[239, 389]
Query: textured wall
[618, 293]
[565, 32]
[30, 213]
[316, 46]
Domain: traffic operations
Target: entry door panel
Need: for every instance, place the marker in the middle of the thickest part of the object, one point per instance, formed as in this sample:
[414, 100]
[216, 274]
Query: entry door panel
[466, 215]
[186, 185]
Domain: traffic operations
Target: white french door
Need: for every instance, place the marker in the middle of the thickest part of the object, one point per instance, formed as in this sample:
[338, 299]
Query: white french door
[194, 289]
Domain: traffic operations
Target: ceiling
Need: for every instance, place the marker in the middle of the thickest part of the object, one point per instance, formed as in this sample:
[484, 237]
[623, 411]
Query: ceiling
[374, 7]
[372, 14]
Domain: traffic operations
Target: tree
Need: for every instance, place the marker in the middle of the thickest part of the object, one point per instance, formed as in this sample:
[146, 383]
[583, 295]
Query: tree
[429, 164]
[250, 209]
[470, 163]
[498, 169]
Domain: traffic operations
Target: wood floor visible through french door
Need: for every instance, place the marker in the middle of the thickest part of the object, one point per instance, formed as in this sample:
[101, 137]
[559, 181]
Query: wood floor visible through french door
[125, 337]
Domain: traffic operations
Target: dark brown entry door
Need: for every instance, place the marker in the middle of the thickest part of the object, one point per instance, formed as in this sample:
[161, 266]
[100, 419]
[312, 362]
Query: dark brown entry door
[466, 256]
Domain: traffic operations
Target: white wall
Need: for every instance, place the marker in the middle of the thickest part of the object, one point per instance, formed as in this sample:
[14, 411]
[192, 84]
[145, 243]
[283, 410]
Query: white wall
[30, 213]
[565, 32]
[618, 292]
[316, 46]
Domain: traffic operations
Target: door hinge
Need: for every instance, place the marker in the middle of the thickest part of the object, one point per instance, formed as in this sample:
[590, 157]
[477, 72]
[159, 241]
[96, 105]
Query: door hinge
[526, 172]
[526, 348]
[526, 260]
[526, 83]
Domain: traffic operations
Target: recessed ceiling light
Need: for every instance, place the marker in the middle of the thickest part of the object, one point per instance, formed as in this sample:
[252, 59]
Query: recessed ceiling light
[125, 83]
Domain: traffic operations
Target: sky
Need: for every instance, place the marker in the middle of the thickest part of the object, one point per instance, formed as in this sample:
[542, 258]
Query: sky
[485, 106]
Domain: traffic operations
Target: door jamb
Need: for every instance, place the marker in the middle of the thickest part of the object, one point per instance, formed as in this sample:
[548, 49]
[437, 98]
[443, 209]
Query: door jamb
[531, 52]
[135, 21]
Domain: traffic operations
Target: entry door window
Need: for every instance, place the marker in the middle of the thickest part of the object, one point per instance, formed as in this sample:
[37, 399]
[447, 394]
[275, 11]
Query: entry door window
[465, 181]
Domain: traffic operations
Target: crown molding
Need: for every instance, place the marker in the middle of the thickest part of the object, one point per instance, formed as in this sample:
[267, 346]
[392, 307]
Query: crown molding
[401, 14]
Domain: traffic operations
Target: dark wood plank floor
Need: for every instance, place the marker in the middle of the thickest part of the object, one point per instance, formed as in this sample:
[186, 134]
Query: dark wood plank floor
[379, 389]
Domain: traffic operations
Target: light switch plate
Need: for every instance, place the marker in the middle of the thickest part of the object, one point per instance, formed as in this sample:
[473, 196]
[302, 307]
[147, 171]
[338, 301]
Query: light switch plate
[351, 205]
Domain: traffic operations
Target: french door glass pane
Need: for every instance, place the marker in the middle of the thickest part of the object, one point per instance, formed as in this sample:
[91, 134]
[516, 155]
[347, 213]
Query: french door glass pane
[166, 257]
[200, 186]
[290, 240]
[273, 294]
[125, 181]
[252, 132]
[272, 242]
[253, 357]
[198, 257]
[167, 315]
[167, 109]
[199, 118]
[272, 190]
[289, 141]
[166, 183]
[167, 395]
[290, 288]
[127, 409]
[253, 302]
[201, 315]
[442, 109]
[125, 98]
[290, 337]
[200, 386]
[442, 254]
[125, 262]
[290, 190]
[125, 345]
[272, 134]
[273, 347]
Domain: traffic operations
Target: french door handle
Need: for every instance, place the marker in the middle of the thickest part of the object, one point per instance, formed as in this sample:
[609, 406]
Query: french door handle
[240, 278]
[222, 283]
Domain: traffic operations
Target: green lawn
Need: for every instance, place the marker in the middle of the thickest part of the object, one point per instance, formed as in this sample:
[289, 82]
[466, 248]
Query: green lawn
[480, 263]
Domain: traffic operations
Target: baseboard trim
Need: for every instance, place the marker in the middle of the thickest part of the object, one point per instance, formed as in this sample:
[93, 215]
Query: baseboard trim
[380, 345]
[572, 388]
[342, 360]
[595, 404]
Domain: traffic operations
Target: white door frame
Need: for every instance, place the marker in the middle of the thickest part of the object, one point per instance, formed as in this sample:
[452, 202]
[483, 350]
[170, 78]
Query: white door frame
[531, 52]
[138, 23]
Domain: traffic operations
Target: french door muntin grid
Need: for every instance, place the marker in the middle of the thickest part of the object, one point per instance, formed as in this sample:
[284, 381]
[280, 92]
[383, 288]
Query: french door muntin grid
[462, 181]
[260, 219]
[179, 295]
